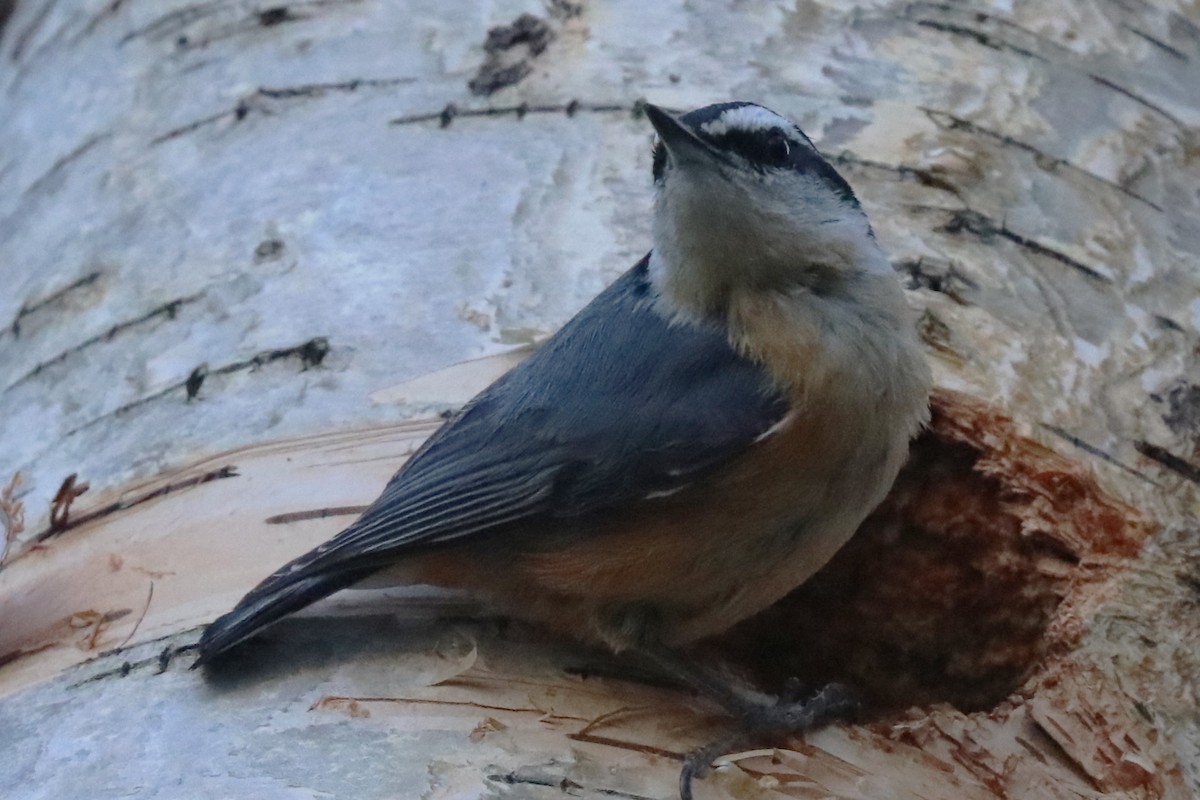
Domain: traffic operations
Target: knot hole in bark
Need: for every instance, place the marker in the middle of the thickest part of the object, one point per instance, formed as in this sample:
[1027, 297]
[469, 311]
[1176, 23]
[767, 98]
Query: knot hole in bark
[978, 568]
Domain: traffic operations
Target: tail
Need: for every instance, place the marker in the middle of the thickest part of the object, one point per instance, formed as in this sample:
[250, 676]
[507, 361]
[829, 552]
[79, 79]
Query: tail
[272, 600]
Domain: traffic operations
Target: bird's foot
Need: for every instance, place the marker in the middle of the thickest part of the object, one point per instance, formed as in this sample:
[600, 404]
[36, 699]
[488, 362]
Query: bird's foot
[787, 716]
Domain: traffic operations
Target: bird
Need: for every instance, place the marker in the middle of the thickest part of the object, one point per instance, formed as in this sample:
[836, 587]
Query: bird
[691, 446]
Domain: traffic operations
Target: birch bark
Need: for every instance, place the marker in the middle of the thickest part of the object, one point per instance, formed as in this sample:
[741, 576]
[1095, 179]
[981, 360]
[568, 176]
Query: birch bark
[250, 253]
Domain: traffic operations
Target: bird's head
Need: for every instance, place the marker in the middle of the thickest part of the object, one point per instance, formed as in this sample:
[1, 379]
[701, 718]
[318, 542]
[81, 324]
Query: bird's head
[746, 201]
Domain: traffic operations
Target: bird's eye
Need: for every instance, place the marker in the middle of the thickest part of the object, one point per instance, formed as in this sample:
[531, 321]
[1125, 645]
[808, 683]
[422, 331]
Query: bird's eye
[659, 159]
[778, 150]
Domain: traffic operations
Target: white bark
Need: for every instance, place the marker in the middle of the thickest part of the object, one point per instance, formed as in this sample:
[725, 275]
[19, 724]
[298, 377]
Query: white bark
[254, 189]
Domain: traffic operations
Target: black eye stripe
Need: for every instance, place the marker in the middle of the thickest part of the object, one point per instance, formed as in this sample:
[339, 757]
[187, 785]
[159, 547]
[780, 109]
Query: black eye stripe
[779, 149]
[659, 159]
[755, 147]
[763, 148]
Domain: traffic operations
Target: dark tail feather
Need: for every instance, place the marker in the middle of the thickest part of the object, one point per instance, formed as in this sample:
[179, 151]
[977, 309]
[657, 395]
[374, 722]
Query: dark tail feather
[266, 605]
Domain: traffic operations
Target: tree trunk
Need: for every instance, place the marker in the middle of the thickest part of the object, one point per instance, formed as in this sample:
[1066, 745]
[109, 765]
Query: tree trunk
[251, 253]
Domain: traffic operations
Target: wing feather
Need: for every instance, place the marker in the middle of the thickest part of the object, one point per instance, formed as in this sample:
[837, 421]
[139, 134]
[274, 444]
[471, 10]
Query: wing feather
[619, 406]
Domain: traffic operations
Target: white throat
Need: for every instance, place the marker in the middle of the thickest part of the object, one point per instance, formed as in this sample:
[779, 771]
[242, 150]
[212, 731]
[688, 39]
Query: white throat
[715, 232]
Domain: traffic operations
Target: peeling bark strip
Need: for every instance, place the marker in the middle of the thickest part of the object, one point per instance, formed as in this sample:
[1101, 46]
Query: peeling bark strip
[1168, 460]
[6, 9]
[145, 610]
[319, 89]
[986, 39]
[23, 38]
[984, 28]
[445, 116]
[107, 12]
[172, 22]
[948, 121]
[925, 177]
[958, 20]
[57, 167]
[532, 777]
[1086, 447]
[343, 703]
[226, 20]
[1174, 52]
[127, 668]
[320, 513]
[310, 353]
[255, 101]
[167, 310]
[451, 112]
[1141, 101]
[174, 133]
[60, 506]
[12, 517]
[985, 228]
[54, 299]
[123, 505]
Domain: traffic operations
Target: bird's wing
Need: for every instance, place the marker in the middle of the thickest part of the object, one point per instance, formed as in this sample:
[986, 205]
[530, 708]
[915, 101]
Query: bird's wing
[618, 406]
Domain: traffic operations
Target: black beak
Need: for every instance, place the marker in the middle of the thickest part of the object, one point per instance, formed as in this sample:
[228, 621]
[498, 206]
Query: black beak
[683, 145]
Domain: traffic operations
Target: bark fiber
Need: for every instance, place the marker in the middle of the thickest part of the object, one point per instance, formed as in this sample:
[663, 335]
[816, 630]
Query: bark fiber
[250, 253]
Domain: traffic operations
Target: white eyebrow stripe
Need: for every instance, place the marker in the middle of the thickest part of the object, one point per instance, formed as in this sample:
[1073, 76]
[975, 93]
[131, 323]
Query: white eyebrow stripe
[745, 118]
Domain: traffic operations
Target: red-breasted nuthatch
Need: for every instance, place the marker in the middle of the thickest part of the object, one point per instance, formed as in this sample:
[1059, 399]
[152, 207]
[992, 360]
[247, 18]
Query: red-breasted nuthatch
[691, 446]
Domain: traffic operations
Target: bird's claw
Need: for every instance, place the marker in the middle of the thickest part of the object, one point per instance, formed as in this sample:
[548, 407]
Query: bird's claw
[784, 717]
[793, 691]
[789, 716]
[698, 762]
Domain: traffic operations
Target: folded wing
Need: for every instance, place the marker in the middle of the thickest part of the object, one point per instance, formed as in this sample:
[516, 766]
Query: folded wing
[620, 405]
